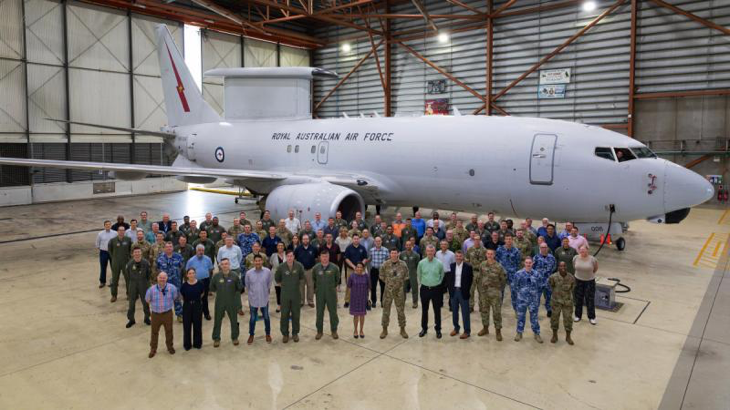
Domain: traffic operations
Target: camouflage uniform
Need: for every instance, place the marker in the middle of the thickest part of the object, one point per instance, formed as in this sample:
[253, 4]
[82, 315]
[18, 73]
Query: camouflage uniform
[353, 232]
[235, 230]
[425, 241]
[156, 249]
[474, 257]
[491, 282]
[173, 266]
[146, 249]
[562, 300]
[219, 245]
[411, 259]
[248, 262]
[394, 274]
[245, 221]
[455, 244]
[530, 236]
[285, 235]
[566, 255]
[527, 287]
[525, 248]
[460, 234]
[510, 259]
[545, 266]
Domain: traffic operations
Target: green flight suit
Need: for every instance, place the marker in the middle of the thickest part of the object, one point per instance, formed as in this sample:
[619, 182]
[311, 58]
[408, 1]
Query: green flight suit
[565, 255]
[139, 274]
[227, 290]
[120, 251]
[291, 298]
[209, 248]
[411, 259]
[187, 252]
[325, 291]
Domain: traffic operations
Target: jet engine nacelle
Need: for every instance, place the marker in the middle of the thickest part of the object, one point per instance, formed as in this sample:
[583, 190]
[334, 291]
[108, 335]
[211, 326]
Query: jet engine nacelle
[308, 199]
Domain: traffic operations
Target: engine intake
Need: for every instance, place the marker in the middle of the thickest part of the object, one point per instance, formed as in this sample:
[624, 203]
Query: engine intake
[308, 199]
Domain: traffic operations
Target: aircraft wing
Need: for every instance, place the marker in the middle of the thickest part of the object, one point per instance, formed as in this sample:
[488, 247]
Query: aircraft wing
[147, 169]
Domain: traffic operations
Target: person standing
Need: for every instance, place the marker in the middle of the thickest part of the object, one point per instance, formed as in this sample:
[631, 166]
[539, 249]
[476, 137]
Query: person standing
[276, 259]
[447, 258]
[271, 241]
[491, 291]
[318, 224]
[227, 288]
[528, 285]
[120, 250]
[562, 284]
[378, 255]
[174, 234]
[161, 298]
[459, 281]
[566, 254]
[247, 239]
[258, 283]
[139, 274]
[354, 254]
[184, 249]
[144, 223]
[511, 259]
[236, 229]
[133, 229]
[172, 264]
[215, 231]
[203, 271]
[394, 273]
[145, 247]
[419, 225]
[207, 243]
[586, 267]
[151, 235]
[326, 280]
[431, 276]
[474, 257]
[290, 275]
[193, 292]
[575, 240]
[102, 245]
[120, 222]
[292, 223]
[411, 258]
[544, 264]
[358, 285]
[306, 254]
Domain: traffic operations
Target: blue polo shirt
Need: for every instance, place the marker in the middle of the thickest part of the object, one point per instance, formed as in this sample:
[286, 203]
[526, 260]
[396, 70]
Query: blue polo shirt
[307, 257]
[202, 266]
[270, 243]
[356, 255]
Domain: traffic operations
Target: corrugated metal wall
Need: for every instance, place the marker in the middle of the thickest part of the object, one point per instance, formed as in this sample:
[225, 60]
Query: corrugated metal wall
[113, 70]
[673, 53]
[227, 51]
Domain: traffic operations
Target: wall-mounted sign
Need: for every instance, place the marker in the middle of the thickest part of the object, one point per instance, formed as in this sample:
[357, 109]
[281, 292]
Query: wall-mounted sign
[551, 91]
[435, 86]
[555, 76]
[439, 106]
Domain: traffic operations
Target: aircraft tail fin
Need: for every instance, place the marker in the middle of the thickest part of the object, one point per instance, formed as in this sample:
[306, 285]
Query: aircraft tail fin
[184, 102]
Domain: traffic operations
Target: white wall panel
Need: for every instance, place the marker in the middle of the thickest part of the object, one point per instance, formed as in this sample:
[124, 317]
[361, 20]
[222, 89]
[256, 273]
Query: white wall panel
[144, 43]
[98, 38]
[99, 97]
[46, 98]
[149, 106]
[258, 53]
[12, 94]
[44, 31]
[219, 51]
[11, 29]
[293, 57]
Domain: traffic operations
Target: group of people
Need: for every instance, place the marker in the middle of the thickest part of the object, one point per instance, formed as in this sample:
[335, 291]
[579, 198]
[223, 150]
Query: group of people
[173, 270]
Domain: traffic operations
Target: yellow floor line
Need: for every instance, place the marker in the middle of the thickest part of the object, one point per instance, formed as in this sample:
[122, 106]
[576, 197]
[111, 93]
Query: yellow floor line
[702, 251]
[717, 249]
[724, 214]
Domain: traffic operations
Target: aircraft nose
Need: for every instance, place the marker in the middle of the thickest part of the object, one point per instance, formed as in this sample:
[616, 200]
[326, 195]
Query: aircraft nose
[684, 188]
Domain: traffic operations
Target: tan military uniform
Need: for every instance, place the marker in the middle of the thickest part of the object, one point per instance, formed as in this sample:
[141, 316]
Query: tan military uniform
[353, 231]
[394, 274]
[460, 234]
[248, 262]
[530, 236]
[474, 257]
[525, 248]
[285, 235]
[234, 231]
[492, 279]
[425, 241]
[562, 300]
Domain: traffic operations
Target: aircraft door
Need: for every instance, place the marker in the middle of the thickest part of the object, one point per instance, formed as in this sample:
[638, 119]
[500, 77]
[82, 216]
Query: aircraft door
[542, 158]
[323, 152]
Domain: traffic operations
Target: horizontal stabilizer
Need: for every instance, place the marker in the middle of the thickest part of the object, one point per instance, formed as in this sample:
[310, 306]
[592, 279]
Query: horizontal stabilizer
[110, 127]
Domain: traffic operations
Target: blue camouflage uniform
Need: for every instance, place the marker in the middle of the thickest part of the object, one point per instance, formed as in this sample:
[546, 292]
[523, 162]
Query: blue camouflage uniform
[173, 266]
[510, 259]
[545, 266]
[527, 287]
[246, 241]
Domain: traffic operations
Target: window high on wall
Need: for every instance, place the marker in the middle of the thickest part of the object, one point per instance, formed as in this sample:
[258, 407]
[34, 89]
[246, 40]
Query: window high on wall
[192, 53]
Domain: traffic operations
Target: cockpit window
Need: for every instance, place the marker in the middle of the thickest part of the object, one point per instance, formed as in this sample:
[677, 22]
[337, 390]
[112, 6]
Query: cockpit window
[605, 152]
[643, 152]
[624, 154]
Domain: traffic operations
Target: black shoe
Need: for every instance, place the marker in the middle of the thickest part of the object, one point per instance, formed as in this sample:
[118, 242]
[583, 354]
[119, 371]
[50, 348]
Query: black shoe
[207, 317]
[438, 334]
[423, 333]
[147, 322]
[549, 313]
[347, 304]
[368, 307]
[130, 323]
[187, 348]
[101, 285]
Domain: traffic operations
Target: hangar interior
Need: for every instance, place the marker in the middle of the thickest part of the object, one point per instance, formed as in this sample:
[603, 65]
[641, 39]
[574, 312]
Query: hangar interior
[655, 70]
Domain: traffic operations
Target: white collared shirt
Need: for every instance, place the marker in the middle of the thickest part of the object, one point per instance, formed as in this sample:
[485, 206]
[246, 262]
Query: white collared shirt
[457, 275]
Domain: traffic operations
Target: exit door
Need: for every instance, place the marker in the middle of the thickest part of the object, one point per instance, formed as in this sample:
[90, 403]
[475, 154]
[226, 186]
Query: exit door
[323, 152]
[542, 158]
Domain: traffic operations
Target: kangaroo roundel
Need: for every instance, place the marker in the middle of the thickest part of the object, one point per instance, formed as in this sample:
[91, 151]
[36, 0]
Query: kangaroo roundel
[220, 155]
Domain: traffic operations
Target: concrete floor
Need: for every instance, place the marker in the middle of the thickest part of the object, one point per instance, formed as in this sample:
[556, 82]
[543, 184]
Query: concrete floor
[63, 345]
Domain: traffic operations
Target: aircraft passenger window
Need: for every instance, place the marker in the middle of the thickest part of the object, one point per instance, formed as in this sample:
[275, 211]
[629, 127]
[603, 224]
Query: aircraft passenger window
[624, 154]
[288, 148]
[314, 149]
[296, 149]
[321, 149]
[604, 152]
[643, 152]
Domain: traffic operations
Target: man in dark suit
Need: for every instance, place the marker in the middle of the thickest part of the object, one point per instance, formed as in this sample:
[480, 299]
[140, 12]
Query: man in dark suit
[459, 280]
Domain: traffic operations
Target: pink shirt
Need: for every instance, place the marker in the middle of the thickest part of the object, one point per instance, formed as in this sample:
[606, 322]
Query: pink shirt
[577, 242]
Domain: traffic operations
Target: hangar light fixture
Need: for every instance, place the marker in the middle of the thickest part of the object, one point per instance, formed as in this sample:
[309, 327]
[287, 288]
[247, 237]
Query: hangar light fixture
[589, 6]
[346, 47]
[443, 38]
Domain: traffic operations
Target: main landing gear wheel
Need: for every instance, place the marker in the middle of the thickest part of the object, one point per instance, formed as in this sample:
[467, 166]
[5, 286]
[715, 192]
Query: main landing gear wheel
[621, 244]
[235, 200]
